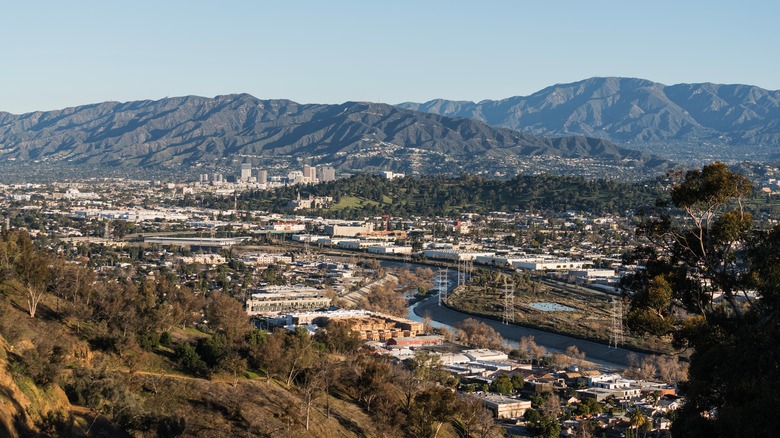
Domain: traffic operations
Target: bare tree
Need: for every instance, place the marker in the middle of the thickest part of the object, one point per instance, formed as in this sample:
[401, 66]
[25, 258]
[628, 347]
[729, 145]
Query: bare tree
[480, 335]
[551, 406]
[670, 369]
[310, 387]
[476, 420]
[575, 354]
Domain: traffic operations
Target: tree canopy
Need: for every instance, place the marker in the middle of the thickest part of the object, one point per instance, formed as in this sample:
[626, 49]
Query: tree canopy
[710, 280]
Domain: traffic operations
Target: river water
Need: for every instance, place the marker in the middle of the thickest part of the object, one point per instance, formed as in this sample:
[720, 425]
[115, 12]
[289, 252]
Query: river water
[604, 355]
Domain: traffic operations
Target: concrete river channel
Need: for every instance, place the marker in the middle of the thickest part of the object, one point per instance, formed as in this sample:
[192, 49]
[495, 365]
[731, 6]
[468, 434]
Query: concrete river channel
[604, 355]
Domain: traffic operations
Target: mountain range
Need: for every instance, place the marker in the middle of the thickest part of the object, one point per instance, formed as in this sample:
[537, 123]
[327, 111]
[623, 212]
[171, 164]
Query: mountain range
[225, 130]
[607, 124]
[632, 111]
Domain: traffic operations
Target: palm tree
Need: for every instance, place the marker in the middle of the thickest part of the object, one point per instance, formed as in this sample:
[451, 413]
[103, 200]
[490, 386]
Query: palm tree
[639, 421]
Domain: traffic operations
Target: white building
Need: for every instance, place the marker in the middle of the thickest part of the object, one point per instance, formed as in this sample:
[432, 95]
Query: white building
[547, 264]
[454, 254]
[246, 172]
[327, 173]
[349, 229]
[390, 249]
[392, 175]
[593, 274]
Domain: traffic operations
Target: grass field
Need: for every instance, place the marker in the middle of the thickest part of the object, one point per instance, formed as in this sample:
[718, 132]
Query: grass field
[352, 202]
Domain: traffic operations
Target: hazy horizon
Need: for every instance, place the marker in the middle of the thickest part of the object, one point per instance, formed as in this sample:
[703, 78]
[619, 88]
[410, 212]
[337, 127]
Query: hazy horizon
[63, 55]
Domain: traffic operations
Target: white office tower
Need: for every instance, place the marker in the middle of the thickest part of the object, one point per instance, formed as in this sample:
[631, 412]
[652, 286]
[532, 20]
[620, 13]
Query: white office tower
[217, 178]
[327, 173]
[262, 176]
[204, 178]
[309, 173]
[295, 177]
[246, 171]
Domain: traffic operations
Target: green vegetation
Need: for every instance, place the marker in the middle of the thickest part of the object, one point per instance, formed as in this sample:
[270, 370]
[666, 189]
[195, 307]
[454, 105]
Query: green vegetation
[712, 283]
[128, 355]
[371, 195]
[589, 319]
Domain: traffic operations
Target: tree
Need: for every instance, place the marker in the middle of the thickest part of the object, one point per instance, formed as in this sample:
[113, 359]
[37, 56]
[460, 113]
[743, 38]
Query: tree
[575, 354]
[430, 410]
[502, 385]
[339, 338]
[480, 335]
[638, 422]
[384, 298]
[542, 425]
[474, 420]
[300, 354]
[25, 269]
[227, 316]
[711, 282]
[528, 349]
[551, 406]
[311, 384]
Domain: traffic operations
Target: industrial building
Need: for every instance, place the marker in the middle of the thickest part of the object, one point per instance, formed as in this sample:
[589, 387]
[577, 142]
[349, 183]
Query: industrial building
[349, 229]
[505, 407]
[276, 299]
[547, 264]
[199, 242]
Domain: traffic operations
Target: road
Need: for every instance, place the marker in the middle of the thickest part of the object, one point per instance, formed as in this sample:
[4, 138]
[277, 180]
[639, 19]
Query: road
[615, 358]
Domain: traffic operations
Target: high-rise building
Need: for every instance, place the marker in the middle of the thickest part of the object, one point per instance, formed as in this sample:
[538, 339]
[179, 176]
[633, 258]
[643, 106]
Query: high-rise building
[204, 178]
[295, 177]
[262, 176]
[246, 171]
[327, 173]
[309, 173]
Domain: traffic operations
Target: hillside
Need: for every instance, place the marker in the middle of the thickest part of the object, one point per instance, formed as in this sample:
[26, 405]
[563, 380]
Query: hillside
[187, 132]
[143, 355]
[633, 111]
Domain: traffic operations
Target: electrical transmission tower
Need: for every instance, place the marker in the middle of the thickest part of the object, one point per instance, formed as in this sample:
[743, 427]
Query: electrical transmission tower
[616, 334]
[442, 284]
[464, 271]
[106, 231]
[509, 302]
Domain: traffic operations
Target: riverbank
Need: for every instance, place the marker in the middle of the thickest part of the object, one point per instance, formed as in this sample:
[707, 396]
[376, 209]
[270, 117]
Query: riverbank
[615, 358]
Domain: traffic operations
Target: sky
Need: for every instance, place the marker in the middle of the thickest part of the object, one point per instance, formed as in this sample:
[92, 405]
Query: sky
[57, 54]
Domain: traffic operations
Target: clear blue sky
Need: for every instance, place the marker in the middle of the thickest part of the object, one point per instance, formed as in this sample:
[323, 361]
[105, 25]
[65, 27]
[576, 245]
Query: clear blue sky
[57, 54]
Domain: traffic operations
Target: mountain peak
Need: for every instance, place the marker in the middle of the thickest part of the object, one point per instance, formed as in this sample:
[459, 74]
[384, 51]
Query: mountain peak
[208, 132]
[632, 110]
